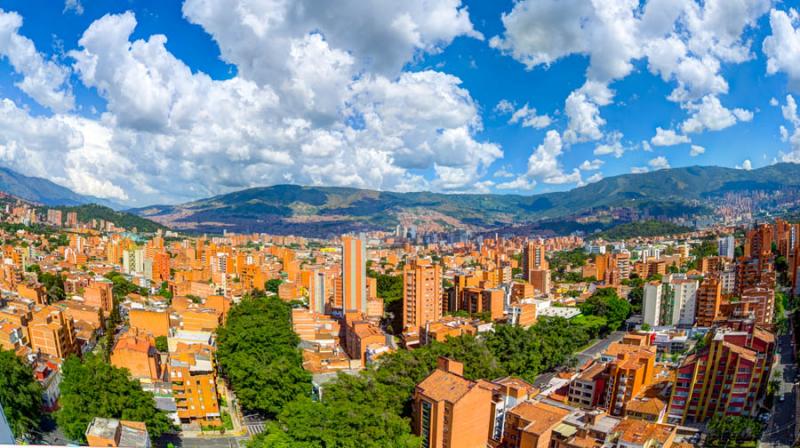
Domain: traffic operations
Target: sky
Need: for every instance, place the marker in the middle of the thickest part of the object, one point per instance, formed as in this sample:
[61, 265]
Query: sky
[146, 102]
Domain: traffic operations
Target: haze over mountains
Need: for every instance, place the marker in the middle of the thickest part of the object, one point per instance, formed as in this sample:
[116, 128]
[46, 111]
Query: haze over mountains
[322, 211]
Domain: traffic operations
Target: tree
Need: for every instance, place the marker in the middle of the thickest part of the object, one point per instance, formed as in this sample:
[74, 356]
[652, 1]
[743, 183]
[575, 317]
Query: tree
[20, 394]
[161, 344]
[257, 351]
[605, 303]
[93, 388]
[272, 285]
[737, 429]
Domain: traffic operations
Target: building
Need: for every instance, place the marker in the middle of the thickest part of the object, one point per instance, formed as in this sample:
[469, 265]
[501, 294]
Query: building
[635, 433]
[684, 301]
[52, 332]
[489, 301]
[631, 368]
[193, 379]
[422, 293]
[727, 377]
[450, 410]
[726, 247]
[533, 258]
[709, 298]
[587, 389]
[155, 322]
[531, 425]
[138, 354]
[651, 304]
[110, 432]
[354, 274]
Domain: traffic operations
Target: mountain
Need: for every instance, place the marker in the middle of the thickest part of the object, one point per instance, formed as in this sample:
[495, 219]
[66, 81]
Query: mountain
[323, 211]
[44, 192]
[125, 220]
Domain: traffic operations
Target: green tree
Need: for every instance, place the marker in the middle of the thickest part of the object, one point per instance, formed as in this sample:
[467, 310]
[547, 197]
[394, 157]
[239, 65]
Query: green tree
[605, 303]
[723, 430]
[93, 388]
[20, 394]
[272, 285]
[161, 344]
[257, 351]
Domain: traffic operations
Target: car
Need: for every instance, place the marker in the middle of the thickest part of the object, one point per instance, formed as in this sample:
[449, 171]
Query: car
[782, 398]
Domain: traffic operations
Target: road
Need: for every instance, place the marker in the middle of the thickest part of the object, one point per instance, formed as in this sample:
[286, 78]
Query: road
[584, 355]
[781, 425]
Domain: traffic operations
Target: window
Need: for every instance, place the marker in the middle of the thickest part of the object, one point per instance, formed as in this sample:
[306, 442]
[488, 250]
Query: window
[425, 424]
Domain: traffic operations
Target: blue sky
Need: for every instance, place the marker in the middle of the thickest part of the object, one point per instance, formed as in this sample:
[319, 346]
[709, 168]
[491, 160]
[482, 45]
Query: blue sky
[151, 101]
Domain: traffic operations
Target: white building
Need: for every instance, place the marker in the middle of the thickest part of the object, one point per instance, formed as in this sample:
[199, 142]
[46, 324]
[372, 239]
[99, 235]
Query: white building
[651, 304]
[684, 301]
[726, 246]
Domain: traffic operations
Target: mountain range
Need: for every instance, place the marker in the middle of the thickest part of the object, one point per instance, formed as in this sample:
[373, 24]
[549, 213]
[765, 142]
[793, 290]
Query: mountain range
[324, 211]
[41, 191]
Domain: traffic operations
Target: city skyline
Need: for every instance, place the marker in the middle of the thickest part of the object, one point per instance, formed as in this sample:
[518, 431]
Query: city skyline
[146, 103]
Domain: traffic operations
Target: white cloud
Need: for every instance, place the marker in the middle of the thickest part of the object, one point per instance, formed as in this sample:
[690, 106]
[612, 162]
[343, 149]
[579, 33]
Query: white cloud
[668, 137]
[696, 150]
[646, 146]
[544, 165]
[639, 169]
[43, 80]
[789, 111]
[773, 102]
[613, 145]
[746, 165]
[659, 163]
[528, 117]
[73, 5]
[710, 114]
[782, 47]
[504, 106]
[520, 183]
[591, 165]
[685, 42]
[596, 177]
[317, 103]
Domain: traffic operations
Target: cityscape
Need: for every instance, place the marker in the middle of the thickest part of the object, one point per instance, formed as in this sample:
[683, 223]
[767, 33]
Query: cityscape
[404, 224]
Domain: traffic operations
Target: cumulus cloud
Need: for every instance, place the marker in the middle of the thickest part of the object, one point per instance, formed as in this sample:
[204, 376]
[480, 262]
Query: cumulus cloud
[789, 111]
[710, 114]
[659, 163]
[544, 165]
[591, 165]
[696, 150]
[684, 42]
[316, 100]
[43, 80]
[668, 137]
[782, 47]
[639, 169]
[746, 165]
[528, 117]
[74, 6]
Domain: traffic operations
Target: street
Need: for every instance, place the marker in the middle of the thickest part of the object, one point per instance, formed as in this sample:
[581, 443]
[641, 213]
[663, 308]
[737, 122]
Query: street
[781, 425]
[584, 355]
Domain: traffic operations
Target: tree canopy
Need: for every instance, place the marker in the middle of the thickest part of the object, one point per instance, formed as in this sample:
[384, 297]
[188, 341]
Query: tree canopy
[257, 351]
[93, 388]
[20, 394]
[606, 303]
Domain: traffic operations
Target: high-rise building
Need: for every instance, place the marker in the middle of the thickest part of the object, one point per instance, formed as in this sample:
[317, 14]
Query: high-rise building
[709, 298]
[422, 293]
[72, 219]
[727, 377]
[533, 258]
[52, 332]
[54, 217]
[651, 303]
[684, 300]
[450, 410]
[631, 369]
[317, 293]
[726, 246]
[354, 274]
[758, 241]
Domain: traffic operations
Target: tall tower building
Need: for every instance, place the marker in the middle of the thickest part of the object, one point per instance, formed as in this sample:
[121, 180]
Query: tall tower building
[533, 259]
[422, 293]
[709, 298]
[726, 246]
[354, 274]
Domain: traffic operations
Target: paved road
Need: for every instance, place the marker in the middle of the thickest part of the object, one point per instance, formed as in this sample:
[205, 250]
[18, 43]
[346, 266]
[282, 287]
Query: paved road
[584, 356]
[781, 426]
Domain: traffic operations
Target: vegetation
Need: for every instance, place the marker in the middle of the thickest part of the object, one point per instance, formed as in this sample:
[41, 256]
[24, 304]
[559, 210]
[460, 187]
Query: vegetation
[642, 229]
[161, 344]
[273, 285]
[20, 394]
[257, 351]
[733, 431]
[563, 262]
[606, 303]
[373, 409]
[92, 388]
